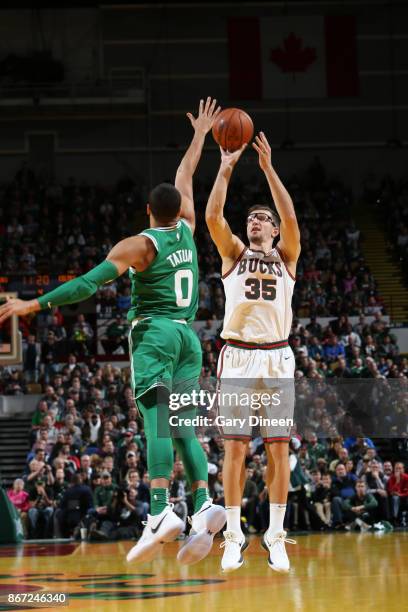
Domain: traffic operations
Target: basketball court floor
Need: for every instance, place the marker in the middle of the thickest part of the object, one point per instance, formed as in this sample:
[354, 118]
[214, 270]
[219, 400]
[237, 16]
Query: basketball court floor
[366, 572]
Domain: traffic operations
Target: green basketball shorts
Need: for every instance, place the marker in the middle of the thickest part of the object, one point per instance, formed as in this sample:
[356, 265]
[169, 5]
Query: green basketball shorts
[163, 353]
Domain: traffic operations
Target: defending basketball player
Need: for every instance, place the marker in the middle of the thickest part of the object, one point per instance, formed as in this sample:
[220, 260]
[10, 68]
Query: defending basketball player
[258, 283]
[164, 349]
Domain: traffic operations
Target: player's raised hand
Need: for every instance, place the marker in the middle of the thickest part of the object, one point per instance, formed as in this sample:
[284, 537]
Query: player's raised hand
[262, 147]
[14, 306]
[228, 159]
[207, 113]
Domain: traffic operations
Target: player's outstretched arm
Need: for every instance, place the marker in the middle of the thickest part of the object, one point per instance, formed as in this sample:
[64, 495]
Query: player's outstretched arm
[229, 246]
[137, 251]
[289, 242]
[202, 124]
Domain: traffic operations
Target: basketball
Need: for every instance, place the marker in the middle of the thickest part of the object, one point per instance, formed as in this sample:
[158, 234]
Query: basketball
[233, 128]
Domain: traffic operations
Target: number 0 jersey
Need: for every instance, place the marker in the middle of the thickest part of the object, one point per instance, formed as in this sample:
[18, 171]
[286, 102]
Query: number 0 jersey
[169, 286]
[258, 305]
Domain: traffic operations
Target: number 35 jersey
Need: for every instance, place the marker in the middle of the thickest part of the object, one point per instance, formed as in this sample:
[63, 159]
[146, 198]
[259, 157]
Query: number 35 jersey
[258, 306]
[169, 286]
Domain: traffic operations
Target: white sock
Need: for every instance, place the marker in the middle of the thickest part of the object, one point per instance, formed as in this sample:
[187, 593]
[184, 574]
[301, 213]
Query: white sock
[233, 518]
[276, 516]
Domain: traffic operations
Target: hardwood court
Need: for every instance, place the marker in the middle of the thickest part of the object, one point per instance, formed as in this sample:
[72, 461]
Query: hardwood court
[367, 572]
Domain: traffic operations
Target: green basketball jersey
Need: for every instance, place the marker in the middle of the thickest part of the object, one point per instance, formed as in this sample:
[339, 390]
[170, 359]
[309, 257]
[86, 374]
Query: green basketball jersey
[169, 286]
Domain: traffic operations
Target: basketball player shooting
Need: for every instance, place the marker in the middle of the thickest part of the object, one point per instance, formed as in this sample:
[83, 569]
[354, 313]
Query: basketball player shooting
[164, 349]
[258, 283]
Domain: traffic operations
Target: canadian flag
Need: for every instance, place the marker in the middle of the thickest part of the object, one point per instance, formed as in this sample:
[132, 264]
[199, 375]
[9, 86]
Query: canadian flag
[293, 57]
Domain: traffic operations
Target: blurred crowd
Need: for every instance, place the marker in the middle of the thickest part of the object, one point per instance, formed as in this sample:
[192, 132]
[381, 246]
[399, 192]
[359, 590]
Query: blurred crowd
[392, 196]
[86, 468]
[49, 227]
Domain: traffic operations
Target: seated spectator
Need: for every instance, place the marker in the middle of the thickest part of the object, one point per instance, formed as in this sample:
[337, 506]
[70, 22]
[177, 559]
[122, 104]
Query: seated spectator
[91, 429]
[50, 354]
[342, 457]
[333, 349]
[41, 510]
[20, 500]
[350, 466]
[58, 489]
[96, 481]
[38, 415]
[103, 496]
[72, 410]
[357, 446]
[397, 488]
[108, 465]
[42, 442]
[116, 334]
[60, 485]
[363, 463]
[343, 488]
[315, 349]
[57, 329]
[75, 504]
[108, 447]
[82, 335]
[315, 449]
[299, 347]
[31, 359]
[48, 425]
[377, 486]
[388, 470]
[86, 469]
[314, 328]
[207, 331]
[316, 478]
[38, 453]
[388, 348]
[131, 463]
[372, 306]
[69, 427]
[71, 462]
[322, 497]
[38, 470]
[350, 338]
[123, 518]
[142, 491]
[359, 508]
[369, 346]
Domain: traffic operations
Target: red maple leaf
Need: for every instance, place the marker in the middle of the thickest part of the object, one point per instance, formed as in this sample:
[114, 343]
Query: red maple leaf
[293, 57]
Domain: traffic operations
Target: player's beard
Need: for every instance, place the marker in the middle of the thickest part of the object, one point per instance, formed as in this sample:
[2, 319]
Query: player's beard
[258, 239]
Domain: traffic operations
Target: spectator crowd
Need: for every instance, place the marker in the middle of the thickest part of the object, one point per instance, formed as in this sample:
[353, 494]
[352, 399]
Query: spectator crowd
[86, 468]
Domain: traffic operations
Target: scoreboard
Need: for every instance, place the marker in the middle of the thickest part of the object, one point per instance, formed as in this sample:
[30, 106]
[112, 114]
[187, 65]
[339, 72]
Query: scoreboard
[29, 286]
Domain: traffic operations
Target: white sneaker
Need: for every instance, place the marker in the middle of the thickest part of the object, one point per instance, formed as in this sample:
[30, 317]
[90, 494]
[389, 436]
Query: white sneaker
[275, 545]
[164, 527]
[204, 525]
[363, 526]
[379, 526]
[235, 544]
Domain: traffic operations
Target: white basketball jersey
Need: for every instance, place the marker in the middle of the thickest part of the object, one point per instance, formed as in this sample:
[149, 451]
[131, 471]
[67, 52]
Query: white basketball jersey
[258, 304]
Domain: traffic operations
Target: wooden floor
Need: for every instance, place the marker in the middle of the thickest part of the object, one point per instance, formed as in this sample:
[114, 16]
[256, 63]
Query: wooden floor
[339, 572]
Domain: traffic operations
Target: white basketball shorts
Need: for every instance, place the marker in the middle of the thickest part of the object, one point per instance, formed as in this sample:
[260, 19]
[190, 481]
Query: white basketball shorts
[256, 393]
